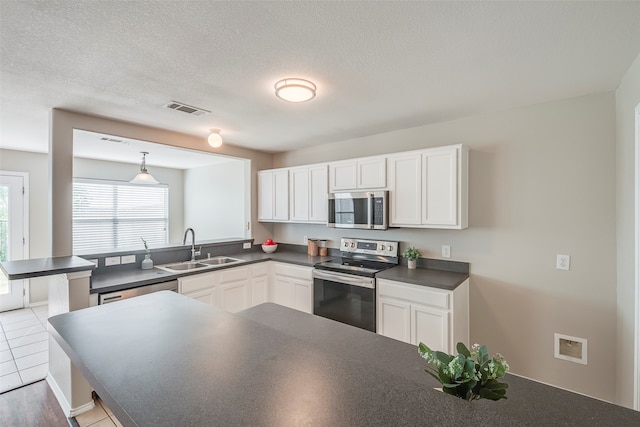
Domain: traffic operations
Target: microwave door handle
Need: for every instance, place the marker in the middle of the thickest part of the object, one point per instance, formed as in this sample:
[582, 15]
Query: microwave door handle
[370, 210]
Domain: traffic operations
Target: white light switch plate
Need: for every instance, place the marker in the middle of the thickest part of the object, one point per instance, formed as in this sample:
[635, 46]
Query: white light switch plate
[563, 262]
[111, 260]
[128, 259]
[446, 251]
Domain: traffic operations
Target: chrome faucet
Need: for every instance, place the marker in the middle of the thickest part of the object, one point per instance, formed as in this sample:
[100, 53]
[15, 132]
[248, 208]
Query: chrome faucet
[194, 253]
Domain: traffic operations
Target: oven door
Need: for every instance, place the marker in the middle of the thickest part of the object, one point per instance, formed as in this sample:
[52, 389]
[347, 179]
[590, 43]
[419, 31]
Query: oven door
[345, 298]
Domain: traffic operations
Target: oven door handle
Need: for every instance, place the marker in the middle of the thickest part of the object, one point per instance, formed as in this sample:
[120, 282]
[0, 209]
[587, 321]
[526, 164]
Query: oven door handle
[363, 282]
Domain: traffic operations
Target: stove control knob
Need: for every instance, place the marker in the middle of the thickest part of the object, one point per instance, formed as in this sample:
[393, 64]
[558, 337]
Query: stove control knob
[390, 248]
[382, 247]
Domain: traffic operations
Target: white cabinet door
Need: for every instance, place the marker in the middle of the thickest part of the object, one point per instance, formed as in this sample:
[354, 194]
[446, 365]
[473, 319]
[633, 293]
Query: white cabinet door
[405, 182]
[302, 295]
[265, 195]
[430, 326]
[281, 195]
[372, 173]
[273, 195]
[235, 296]
[259, 290]
[206, 296]
[299, 192]
[440, 187]
[283, 291]
[318, 200]
[394, 319]
[343, 176]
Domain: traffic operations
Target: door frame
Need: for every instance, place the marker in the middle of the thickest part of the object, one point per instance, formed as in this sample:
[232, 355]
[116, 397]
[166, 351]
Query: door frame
[636, 387]
[25, 212]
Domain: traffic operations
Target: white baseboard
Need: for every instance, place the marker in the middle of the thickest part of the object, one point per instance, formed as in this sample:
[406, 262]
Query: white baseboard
[64, 403]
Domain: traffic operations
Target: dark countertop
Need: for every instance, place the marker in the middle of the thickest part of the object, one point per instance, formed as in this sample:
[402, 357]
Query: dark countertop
[28, 268]
[424, 276]
[191, 364]
[112, 282]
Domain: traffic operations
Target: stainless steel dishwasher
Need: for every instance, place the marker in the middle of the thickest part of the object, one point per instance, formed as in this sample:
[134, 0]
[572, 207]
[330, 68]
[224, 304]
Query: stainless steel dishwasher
[134, 292]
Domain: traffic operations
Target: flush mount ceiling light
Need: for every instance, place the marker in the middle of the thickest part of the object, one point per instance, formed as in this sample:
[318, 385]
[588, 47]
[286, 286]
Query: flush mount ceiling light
[215, 140]
[295, 90]
[144, 177]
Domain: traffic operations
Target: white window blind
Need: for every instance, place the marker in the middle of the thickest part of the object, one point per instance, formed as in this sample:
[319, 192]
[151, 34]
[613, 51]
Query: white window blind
[110, 215]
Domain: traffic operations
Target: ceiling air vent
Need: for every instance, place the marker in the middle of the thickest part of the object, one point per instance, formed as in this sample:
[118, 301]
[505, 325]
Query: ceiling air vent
[189, 109]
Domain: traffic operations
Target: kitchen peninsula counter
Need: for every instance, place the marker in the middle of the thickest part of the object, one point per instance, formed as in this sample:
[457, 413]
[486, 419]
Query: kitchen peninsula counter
[192, 364]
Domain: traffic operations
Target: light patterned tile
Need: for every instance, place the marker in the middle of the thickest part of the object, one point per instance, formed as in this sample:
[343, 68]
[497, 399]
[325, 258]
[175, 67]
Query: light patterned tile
[28, 339]
[91, 417]
[2, 337]
[23, 324]
[30, 330]
[106, 422]
[28, 349]
[34, 374]
[4, 345]
[14, 316]
[8, 368]
[32, 360]
[5, 356]
[39, 308]
[9, 382]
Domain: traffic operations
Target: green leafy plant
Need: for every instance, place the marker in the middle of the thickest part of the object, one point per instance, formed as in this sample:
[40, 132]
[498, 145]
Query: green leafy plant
[146, 247]
[411, 253]
[470, 375]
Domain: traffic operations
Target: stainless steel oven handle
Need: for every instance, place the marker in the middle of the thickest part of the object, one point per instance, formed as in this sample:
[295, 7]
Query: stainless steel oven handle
[363, 282]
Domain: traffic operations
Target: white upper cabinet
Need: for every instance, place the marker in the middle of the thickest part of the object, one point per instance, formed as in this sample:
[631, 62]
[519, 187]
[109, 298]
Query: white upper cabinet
[308, 192]
[273, 195]
[428, 188]
[358, 174]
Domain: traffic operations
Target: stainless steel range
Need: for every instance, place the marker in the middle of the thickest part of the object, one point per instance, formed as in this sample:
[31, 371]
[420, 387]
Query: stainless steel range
[344, 289]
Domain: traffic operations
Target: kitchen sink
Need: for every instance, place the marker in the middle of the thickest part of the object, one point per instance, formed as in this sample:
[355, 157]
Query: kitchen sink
[219, 260]
[201, 264]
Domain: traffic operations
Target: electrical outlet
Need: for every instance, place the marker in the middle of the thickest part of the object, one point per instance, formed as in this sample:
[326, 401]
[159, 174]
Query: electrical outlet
[446, 251]
[246, 245]
[94, 261]
[111, 260]
[306, 240]
[128, 259]
[563, 262]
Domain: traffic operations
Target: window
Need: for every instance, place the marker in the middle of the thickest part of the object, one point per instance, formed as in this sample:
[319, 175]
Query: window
[110, 215]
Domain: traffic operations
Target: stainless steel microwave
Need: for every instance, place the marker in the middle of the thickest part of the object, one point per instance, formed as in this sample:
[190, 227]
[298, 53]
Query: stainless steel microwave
[368, 210]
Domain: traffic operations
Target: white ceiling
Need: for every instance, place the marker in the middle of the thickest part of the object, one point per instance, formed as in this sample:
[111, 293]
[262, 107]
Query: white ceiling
[379, 66]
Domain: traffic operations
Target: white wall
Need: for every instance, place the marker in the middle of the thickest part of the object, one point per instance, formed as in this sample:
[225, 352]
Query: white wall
[542, 182]
[99, 169]
[215, 197]
[627, 100]
[36, 165]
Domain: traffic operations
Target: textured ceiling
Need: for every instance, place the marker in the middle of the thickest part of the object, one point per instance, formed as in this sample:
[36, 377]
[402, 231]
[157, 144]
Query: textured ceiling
[379, 66]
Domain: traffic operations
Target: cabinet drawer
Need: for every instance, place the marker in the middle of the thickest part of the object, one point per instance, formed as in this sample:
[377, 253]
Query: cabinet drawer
[414, 293]
[292, 271]
[260, 269]
[196, 283]
[234, 274]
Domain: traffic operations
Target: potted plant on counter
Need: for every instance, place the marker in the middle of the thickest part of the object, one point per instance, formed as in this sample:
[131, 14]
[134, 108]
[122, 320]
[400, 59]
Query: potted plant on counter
[411, 254]
[147, 262]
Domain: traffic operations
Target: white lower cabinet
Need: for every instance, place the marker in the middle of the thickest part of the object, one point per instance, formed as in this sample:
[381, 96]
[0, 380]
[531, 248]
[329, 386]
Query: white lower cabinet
[415, 313]
[293, 286]
[238, 288]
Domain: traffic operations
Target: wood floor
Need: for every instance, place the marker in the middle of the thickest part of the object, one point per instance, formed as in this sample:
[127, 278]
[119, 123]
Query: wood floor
[31, 406]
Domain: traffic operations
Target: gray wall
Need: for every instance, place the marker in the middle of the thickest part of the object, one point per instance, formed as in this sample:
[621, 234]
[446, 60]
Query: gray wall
[542, 182]
[627, 101]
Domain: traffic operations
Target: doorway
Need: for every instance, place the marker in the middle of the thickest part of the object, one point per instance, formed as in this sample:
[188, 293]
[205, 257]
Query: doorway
[13, 235]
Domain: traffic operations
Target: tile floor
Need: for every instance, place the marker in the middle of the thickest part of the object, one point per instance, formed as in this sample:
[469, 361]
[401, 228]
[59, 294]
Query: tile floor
[99, 416]
[24, 347]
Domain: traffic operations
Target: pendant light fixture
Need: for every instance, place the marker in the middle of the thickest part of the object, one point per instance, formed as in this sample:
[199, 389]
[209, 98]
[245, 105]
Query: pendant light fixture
[215, 140]
[295, 90]
[144, 177]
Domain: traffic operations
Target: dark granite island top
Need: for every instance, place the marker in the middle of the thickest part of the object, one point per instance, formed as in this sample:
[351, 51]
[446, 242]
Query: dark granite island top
[165, 360]
[28, 268]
